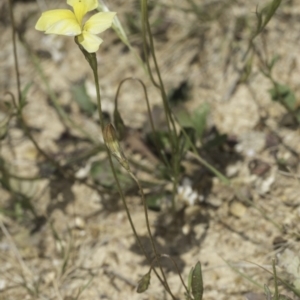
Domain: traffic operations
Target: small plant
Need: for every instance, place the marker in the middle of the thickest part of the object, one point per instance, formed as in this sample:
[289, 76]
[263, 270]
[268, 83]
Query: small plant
[183, 135]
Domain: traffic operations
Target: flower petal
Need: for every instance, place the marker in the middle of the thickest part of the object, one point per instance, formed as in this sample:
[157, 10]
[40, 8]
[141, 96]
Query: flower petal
[89, 41]
[58, 21]
[99, 22]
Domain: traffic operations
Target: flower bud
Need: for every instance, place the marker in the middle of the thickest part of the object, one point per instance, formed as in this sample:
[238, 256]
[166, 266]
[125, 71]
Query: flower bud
[112, 143]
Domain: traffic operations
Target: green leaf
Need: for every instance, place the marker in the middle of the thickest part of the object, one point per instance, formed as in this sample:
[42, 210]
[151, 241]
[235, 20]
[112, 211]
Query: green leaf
[162, 138]
[259, 22]
[217, 141]
[184, 143]
[118, 121]
[102, 173]
[82, 98]
[199, 119]
[269, 11]
[267, 292]
[154, 201]
[190, 279]
[273, 61]
[184, 118]
[144, 283]
[265, 15]
[197, 282]
[24, 94]
[298, 115]
[283, 94]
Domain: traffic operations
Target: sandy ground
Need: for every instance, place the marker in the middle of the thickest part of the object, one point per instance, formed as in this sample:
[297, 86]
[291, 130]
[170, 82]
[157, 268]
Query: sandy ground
[61, 239]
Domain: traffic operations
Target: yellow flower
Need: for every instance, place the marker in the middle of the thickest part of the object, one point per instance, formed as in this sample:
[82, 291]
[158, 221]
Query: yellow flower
[65, 22]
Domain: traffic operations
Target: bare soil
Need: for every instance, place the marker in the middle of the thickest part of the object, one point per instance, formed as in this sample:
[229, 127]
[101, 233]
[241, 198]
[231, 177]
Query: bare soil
[61, 239]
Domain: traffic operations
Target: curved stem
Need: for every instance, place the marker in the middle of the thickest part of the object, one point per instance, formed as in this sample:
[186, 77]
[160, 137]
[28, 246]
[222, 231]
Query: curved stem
[168, 114]
[161, 153]
[160, 85]
[177, 269]
[13, 26]
[92, 60]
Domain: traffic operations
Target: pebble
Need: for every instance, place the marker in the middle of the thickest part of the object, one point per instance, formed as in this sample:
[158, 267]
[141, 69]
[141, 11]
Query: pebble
[79, 223]
[237, 209]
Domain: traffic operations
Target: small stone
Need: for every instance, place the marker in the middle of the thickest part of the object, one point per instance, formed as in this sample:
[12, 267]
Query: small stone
[264, 186]
[251, 143]
[49, 277]
[191, 213]
[214, 201]
[237, 209]
[2, 284]
[79, 223]
[186, 229]
[255, 296]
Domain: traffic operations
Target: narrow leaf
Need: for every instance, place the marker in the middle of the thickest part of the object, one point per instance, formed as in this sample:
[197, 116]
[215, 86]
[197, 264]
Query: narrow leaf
[284, 95]
[267, 292]
[144, 283]
[82, 98]
[199, 119]
[197, 282]
[24, 94]
[190, 279]
[120, 126]
[271, 9]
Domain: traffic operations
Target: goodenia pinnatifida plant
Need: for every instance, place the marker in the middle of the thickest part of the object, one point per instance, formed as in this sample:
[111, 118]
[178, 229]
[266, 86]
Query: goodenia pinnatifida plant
[71, 23]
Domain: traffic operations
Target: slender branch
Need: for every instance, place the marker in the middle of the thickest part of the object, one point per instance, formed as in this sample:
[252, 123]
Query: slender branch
[161, 153]
[92, 60]
[157, 255]
[13, 27]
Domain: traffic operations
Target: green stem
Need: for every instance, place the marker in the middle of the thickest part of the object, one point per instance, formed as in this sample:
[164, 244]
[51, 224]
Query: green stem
[10, 4]
[276, 296]
[157, 255]
[177, 269]
[92, 60]
[168, 114]
[145, 28]
[156, 141]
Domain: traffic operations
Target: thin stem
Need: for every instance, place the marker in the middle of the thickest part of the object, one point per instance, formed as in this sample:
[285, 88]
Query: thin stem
[175, 265]
[63, 116]
[163, 90]
[129, 216]
[177, 269]
[168, 114]
[13, 27]
[196, 155]
[276, 296]
[157, 255]
[20, 116]
[176, 180]
[98, 99]
[161, 153]
[91, 58]
[146, 27]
